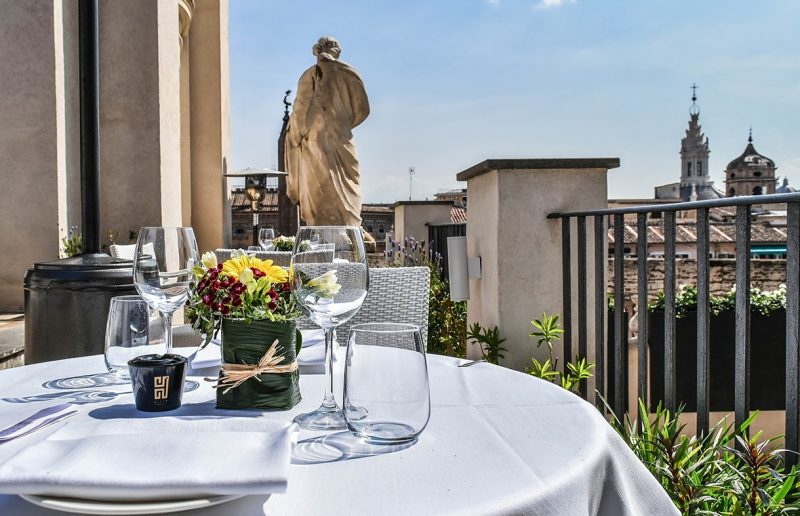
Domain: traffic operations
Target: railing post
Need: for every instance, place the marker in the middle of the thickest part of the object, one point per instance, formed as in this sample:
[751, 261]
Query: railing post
[641, 301]
[742, 361]
[703, 322]
[582, 301]
[669, 312]
[792, 443]
[566, 288]
[620, 337]
[600, 309]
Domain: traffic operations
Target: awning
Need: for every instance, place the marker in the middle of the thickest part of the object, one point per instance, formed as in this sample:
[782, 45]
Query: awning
[772, 249]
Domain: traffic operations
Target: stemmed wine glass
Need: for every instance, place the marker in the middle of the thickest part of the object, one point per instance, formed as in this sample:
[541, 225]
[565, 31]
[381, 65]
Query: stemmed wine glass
[265, 238]
[162, 270]
[330, 285]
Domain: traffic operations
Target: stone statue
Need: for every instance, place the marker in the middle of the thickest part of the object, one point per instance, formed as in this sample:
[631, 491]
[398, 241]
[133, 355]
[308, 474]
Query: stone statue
[320, 154]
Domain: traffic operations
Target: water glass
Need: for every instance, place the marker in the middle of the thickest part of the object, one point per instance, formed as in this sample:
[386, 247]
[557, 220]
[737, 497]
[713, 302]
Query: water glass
[132, 329]
[386, 377]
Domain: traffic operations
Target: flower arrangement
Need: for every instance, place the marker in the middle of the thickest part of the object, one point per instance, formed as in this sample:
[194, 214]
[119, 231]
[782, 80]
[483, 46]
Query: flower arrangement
[242, 287]
[286, 243]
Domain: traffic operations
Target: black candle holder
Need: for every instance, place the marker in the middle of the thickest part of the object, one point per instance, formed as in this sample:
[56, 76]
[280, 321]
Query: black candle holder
[157, 381]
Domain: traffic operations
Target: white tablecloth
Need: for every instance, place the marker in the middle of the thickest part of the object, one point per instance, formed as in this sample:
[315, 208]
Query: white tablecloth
[498, 442]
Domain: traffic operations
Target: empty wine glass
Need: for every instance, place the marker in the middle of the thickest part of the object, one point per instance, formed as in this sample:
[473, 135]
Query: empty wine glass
[330, 287]
[265, 238]
[162, 270]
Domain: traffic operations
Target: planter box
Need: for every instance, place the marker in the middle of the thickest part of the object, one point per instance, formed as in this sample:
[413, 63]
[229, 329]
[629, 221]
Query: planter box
[767, 360]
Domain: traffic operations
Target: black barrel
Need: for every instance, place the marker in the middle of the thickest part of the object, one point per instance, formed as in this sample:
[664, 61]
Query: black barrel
[66, 305]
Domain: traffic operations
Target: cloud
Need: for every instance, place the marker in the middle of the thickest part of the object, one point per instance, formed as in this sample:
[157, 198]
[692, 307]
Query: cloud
[492, 2]
[547, 4]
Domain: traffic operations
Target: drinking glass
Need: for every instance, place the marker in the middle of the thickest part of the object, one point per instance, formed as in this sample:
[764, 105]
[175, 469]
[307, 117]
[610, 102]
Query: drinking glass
[132, 329]
[265, 238]
[386, 374]
[162, 270]
[329, 288]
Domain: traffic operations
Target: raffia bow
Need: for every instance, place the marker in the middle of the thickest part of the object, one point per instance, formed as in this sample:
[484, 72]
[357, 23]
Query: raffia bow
[233, 375]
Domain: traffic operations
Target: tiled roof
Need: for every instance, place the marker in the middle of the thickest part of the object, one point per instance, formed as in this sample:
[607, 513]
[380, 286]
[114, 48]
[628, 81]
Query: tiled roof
[377, 208]
[686, 233]
[458, 215]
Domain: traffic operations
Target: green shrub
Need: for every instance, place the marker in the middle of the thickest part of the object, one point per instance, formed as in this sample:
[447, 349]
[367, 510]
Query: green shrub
[705, 475]
[447, 319]
[489, 341]
[72, 243]
[764, 302]
[547, 331]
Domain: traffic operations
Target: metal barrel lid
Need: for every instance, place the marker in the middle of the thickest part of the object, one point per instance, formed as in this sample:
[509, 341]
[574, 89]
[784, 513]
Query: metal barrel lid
[88, 267]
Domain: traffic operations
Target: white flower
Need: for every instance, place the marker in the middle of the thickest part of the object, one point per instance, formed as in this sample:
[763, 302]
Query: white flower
[326, 285]
[247, 278]
[209, 260]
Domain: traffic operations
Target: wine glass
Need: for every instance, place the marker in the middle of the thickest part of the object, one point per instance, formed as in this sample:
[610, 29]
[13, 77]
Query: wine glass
[162, 270]
[329, 287]
[265, 238]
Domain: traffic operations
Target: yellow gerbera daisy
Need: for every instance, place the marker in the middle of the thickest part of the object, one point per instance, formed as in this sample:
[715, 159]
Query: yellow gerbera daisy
[235, 266]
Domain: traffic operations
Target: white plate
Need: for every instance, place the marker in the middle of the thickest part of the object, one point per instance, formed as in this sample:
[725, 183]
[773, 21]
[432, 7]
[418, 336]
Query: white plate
[78, 506]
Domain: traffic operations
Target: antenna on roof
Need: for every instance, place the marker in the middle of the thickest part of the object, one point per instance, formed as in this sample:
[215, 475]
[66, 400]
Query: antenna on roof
[410, 181]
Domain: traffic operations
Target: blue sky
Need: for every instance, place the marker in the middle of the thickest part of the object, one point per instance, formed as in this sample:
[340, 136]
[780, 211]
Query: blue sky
[452, 83]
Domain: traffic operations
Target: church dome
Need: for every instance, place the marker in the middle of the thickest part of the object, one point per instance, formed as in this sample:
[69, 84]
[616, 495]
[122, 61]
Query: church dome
[750, 158]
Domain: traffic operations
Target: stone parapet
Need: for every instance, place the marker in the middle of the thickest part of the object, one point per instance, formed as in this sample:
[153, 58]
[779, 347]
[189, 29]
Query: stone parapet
[520, 248]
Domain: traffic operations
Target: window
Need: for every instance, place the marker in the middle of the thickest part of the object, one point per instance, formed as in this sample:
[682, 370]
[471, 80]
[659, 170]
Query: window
[689, 168]
[369, 228]
[733, 175]
[732, 192]
[381, 229]
[757, 190]
[757, 174]
[699, 168]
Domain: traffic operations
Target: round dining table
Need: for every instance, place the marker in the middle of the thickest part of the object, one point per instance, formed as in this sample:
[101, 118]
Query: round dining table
[498, 442]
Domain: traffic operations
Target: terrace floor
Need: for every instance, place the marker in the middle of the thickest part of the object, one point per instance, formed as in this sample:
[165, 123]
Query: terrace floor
[12, 340]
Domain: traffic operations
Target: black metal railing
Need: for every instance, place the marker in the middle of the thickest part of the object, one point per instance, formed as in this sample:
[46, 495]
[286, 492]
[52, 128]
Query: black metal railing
[437, 239]
[742, 348]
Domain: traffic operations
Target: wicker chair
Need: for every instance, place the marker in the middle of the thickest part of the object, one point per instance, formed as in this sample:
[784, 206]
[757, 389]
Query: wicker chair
[396, 294]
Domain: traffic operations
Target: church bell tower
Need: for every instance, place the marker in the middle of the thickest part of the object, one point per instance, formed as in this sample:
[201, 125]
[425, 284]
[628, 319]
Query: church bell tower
[694, 154]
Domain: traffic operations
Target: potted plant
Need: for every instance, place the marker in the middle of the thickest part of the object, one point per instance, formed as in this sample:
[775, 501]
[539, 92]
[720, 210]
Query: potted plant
[249, 301]
[768, 345]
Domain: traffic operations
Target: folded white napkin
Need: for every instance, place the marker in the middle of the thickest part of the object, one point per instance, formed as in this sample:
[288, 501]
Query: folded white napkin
[313, 352]
[154, 458]
[312, 337]
[209, 356]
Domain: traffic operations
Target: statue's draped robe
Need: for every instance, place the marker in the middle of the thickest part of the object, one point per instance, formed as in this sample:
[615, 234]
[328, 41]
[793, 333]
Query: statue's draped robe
[320, 155]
